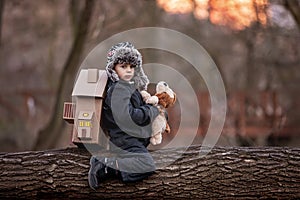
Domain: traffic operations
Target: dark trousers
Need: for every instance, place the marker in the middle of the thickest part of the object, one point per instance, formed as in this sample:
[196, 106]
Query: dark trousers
[134, 163]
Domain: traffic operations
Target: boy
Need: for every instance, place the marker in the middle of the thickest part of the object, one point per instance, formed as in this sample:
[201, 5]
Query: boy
[126, 118]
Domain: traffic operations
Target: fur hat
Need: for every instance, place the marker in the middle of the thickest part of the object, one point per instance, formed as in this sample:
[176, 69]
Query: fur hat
[125, 52]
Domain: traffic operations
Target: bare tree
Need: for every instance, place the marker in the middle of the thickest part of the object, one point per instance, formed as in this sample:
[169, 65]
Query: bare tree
[294, 8]
[48, 136]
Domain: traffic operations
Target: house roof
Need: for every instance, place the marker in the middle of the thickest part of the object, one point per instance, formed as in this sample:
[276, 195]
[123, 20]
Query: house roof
[91, 83]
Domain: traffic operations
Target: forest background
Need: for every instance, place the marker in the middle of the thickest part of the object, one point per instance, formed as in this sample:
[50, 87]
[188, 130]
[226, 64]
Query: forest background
[254, 43]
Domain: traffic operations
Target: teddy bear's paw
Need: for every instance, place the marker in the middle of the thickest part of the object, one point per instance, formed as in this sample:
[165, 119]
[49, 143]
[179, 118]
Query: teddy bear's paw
[153, 141]
[159, 139]
[152, 100]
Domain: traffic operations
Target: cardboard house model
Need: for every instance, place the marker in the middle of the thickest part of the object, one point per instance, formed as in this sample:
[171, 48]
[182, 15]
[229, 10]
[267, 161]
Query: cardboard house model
[85, 110]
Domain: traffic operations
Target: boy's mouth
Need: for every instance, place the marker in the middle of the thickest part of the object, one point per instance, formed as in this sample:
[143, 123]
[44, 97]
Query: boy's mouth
[128, 76]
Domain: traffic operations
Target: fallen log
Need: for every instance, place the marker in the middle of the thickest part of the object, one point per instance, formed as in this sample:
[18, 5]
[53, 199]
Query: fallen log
[224, 173]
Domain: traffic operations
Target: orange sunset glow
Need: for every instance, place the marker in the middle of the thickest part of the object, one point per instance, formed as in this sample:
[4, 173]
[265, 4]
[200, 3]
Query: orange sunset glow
[236, 14]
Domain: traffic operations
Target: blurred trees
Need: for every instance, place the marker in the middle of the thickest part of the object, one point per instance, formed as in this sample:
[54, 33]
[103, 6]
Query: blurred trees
[294, 8]
[47, 138]
[41, 52]
[1, 13]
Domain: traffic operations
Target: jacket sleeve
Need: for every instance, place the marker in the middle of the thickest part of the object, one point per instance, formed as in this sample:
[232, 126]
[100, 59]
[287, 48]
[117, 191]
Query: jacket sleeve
[143, 115]
[133, 121]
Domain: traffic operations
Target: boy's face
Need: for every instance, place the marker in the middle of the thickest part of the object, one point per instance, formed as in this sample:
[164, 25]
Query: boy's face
[125, 71]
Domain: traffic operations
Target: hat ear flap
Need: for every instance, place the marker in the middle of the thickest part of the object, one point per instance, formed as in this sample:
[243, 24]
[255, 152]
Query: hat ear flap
[111, 73]
[140, 79]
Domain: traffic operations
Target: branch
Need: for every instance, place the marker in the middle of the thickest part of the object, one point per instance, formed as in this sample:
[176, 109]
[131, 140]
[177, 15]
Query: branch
[226, 172]
[294, 7]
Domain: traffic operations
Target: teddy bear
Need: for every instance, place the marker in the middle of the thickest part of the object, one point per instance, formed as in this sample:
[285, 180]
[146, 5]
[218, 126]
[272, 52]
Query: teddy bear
[163, 98]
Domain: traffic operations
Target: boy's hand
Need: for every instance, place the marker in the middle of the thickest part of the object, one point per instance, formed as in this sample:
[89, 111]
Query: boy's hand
[147, 98]
[152, 100]
[145, 95]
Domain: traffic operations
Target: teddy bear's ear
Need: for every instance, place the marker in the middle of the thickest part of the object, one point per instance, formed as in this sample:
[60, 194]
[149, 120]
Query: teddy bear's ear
[174, 99]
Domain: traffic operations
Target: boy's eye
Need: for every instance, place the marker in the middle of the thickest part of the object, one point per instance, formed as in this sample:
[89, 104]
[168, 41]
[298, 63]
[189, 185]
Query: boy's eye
[123, 66]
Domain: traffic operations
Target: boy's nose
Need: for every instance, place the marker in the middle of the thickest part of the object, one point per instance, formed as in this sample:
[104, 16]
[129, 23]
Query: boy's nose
[128, 68]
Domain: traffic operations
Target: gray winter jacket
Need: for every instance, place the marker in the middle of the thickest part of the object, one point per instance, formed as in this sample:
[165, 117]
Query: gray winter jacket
[126, 117]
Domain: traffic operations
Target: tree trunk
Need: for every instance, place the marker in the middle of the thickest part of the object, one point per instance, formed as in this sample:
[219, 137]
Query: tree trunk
[48, 137]
[2, 2]
[294, 8]
[225, 173]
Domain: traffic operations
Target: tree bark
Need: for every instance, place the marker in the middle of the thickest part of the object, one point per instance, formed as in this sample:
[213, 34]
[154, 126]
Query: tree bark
[224, 173]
